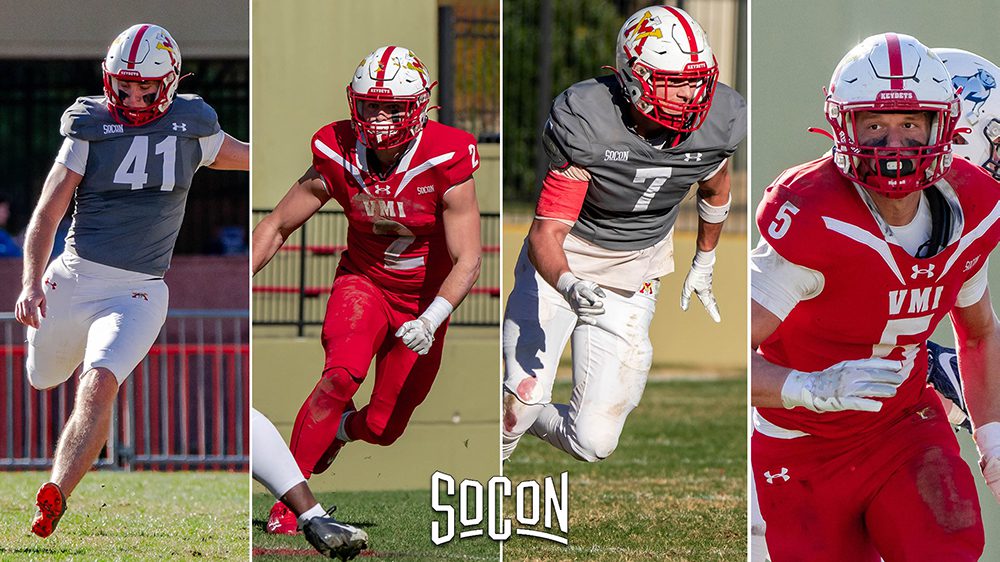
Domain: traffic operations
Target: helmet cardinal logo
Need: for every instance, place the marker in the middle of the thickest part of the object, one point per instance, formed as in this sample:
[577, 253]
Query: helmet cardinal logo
[164, 45]
[643, 30]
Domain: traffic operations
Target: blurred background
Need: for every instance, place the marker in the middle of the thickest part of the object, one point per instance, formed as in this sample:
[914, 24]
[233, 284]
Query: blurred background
[796, 44]
[303, 59]
[551, 44]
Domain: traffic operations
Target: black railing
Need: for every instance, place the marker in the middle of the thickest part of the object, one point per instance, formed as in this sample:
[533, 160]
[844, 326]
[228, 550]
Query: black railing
[469, 78]
[292, 290]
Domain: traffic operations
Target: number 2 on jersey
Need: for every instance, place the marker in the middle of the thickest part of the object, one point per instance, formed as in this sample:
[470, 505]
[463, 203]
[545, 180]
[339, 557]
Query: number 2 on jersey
[132, 170]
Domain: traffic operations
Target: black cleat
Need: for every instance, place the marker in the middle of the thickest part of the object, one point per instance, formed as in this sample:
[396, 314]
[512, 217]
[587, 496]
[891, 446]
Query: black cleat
[334, 539]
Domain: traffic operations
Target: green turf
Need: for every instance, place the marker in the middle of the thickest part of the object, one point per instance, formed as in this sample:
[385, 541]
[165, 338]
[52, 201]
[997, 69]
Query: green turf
[397, 523]
[675, 489]
[131, 516]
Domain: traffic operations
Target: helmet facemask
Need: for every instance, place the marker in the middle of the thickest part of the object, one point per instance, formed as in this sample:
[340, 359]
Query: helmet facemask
[992, 133]
[893, 171]
[658, 88]
[156, 103]
[403, 126]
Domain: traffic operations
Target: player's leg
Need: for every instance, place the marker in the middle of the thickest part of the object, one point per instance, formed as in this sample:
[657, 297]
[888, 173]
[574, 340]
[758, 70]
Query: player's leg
[354, 329]
[936, 490]
[274, 467]
[125, 318]
[809, 501]
[611, 362]
[537, 324]
[56, 348]
[402, 381]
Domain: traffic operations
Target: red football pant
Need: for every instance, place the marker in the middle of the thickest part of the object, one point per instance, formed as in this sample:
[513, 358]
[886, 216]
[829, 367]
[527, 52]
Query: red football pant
[360, 325]
[905, 494]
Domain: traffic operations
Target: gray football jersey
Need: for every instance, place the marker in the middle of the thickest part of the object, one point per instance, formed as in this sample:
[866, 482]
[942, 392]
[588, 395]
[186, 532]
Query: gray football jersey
[635, 188]
[130, 204]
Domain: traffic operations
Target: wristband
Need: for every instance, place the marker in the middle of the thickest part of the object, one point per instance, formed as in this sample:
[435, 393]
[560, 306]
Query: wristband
[703, 261]
[437, 312]
[712, 214]
[988, 439]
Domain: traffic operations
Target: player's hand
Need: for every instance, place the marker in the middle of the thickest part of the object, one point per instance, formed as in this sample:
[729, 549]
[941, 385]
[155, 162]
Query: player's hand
[584, 297]
[30, 306]
[699, 282]
[848, 385]
[988, 442]
[991, 471]
[417, 335]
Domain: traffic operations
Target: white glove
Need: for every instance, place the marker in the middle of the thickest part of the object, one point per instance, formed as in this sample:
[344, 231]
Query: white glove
[584, 297]
[848, 385]
[988, 440]
[418, 334]
[699, 281]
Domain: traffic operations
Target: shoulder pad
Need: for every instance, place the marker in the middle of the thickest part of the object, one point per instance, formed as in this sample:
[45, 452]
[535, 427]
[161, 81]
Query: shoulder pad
[465, 160]
[89, 119]
[189, 116]
[567, 130]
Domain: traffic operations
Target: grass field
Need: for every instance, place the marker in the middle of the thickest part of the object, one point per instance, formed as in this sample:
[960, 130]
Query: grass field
[398, 524]
[675, 489]
[131, 516]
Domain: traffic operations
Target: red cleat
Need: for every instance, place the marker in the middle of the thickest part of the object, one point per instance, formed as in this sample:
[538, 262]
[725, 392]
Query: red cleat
[282, 521]
[51, 505]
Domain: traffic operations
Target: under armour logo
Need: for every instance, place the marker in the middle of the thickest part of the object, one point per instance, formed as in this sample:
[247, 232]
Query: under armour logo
[929, 272]
[692, 156]
[180, 126]
[971, 263]
[51, 283]
[783, 475]
[379, 190]
[138, 295]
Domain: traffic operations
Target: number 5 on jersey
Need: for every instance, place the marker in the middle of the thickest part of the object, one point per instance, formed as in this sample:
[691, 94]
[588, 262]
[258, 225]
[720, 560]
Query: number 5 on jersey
[782, 220]
[132, 170]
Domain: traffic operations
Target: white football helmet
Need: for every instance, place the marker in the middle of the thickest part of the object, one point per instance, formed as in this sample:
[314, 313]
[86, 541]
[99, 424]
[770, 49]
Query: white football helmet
[977, 137]
[142, 53]
[892, 73]
[661, 49]
[390, 75]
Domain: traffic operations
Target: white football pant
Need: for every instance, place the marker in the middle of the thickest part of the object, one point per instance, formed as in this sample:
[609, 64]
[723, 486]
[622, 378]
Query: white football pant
[610, 365]
[272, 463]
[100, 315]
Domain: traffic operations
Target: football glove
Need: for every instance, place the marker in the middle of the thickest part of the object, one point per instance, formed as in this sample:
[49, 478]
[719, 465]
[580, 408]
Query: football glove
[943, 375]
[584, 297]
[848, 385]
[418, 334]
[699, 282]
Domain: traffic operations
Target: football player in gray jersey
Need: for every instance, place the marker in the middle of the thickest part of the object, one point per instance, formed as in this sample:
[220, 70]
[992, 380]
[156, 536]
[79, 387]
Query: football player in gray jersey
[624, 151]
[128, 157]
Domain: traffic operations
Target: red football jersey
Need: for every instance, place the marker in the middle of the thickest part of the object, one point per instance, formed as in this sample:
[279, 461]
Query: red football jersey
[395, 233]
[877, 300]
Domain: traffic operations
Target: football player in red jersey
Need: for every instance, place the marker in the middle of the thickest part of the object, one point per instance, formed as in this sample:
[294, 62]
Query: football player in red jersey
[862, 254]
[413, 253]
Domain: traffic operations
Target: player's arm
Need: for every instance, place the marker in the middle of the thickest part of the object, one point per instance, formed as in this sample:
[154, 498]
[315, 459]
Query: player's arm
[462, 236]
[777, 286]
[233, 155]
[57, 193]
[977, 334]
[305, 197]
[713, 208]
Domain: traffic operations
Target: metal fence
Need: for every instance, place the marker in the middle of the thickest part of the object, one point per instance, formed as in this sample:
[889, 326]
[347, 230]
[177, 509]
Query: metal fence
[185, 407]
[292, 289]
[551, 44]
[469, 78]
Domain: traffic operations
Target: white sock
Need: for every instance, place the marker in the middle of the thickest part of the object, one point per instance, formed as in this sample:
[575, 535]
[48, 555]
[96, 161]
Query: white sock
[342, 429]
[314, 511]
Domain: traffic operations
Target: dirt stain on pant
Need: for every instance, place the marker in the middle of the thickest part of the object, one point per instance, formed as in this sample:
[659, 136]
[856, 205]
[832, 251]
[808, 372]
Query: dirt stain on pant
[935, 477]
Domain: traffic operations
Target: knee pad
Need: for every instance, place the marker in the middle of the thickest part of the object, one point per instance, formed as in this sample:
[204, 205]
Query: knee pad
[339, 383]
[593, 447]
[525, 388]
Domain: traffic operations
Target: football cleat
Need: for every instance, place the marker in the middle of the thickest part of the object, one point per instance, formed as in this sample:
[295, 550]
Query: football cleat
[282, 521]
[51, 505]
[943, 375]
[334, 539]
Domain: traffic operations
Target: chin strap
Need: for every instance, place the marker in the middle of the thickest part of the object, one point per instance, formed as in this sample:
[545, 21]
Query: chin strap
[823, 132]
